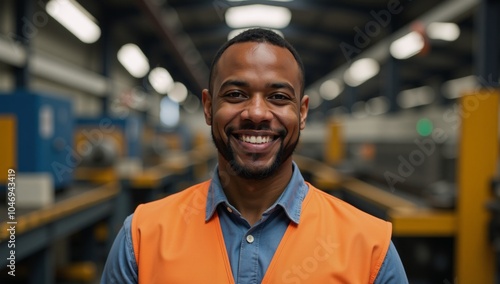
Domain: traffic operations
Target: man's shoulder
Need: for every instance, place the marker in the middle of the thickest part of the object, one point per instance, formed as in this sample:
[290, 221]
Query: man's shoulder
[343, 209]
[195, 194]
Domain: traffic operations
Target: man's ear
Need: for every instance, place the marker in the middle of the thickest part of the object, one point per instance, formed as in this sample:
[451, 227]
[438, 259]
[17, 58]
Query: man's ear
[304, 107]
[206, 100]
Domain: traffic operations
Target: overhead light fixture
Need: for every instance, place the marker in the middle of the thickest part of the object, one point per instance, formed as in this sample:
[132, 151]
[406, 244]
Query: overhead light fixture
[455, 88]
[191, 104]
[360, 71]
[169, 112]
[258, 15]
[161, 80]
[236, 32]
[330, 89]
[407, 46]
[314, 99]
[443, 31]
[178, 93]
[75, 19]
[134, 60]
[415, 97]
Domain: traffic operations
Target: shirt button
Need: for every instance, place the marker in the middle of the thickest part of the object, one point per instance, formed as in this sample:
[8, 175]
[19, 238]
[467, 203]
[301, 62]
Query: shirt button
[250, 239]
[229, 209]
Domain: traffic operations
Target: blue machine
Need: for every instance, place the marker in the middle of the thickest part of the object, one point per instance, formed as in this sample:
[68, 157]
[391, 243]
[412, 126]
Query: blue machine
[37, 132]
[127, 133]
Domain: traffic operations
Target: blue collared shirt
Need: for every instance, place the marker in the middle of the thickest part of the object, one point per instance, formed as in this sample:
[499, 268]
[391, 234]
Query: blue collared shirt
[250, 248]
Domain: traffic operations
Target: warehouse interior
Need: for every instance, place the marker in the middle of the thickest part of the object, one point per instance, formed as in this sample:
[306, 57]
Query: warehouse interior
[100, 110]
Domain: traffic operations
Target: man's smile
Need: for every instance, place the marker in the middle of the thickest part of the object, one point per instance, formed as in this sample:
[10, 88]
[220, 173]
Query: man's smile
[256, 139]
[255, 142]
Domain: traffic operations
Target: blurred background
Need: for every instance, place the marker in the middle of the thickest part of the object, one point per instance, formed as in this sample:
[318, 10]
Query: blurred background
[100, 111]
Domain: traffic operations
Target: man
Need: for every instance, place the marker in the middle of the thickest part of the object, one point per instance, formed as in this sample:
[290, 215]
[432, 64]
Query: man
[256, 221]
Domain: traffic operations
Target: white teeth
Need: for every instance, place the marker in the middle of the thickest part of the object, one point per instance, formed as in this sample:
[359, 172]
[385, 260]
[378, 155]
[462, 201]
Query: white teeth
[255, 139]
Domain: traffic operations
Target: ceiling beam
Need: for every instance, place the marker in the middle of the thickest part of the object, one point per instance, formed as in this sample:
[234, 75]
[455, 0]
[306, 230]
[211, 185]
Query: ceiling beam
[447, 11]
[184, 53]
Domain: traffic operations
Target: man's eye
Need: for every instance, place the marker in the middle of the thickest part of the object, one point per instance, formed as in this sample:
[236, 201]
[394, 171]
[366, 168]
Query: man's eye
[234, 95]
[278, 97]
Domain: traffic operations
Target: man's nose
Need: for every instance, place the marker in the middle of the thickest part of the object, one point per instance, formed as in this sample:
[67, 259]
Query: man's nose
[257, 110]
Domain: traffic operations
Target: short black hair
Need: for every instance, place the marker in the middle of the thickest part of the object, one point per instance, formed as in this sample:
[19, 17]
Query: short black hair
[257, 35]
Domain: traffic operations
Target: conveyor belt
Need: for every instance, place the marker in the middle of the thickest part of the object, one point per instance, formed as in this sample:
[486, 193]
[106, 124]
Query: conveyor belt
[75, 210]
[73, 200]
[409, 217]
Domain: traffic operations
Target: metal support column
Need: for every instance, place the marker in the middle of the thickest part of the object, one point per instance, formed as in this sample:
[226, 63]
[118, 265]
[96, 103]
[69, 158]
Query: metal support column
[107, 53]
[393, 85]
[478, 154]
[25, 31]
[488, 53]
[349, 97]
[42, 268]
[393, 77]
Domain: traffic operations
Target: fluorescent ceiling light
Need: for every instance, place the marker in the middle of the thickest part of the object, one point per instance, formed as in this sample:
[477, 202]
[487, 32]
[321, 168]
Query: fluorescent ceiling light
[407, 46]
[330, 89]
[132, 58]
[191, 104]
[258, 16]
[455, 88]
[443, 31]
[178, 93]
[415, 97]
[161, 80]
[360, 71]
[169, 112]
[315, 99]
[75, 19]
[236, 32]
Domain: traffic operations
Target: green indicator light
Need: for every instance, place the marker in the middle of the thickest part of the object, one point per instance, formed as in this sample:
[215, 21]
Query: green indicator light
[424, 127]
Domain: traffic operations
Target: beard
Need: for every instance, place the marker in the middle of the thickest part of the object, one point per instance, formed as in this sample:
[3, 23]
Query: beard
[246, 172]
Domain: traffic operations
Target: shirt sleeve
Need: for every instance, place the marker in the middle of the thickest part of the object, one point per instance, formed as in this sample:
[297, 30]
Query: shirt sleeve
[392, 270]
[121, 267]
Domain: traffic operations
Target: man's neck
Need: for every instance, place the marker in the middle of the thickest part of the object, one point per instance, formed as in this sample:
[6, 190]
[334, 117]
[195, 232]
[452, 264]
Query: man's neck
[253, 197]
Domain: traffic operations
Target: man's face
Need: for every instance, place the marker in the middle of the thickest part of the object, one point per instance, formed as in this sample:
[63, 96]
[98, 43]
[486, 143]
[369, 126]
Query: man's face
[255, 111]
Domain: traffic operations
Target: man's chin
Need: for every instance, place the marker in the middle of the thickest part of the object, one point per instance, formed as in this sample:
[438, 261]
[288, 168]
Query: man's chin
[255, 172]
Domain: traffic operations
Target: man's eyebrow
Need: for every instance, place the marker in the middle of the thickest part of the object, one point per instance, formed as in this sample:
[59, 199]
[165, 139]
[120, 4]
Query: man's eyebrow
[235, 83]
[281, 85]
[274, 85]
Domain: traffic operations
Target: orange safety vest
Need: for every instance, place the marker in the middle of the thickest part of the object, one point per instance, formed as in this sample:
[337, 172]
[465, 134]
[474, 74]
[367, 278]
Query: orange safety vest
[333, 243]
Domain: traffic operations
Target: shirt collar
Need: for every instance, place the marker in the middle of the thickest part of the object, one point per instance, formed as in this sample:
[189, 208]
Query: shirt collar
[290, 200]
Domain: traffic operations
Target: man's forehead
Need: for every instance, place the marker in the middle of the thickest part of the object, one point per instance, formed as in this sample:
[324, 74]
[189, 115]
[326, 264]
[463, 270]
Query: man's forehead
[257, 54]
[251, 47]
[230, 60]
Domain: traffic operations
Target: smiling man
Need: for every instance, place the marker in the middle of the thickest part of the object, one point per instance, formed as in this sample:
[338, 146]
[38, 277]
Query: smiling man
[256, 220]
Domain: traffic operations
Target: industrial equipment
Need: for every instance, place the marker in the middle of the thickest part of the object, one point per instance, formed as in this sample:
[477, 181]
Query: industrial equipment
[108, 147]
[37, 138]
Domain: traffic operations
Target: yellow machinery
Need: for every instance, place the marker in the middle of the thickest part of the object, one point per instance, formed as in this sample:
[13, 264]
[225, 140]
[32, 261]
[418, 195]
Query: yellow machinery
[464, 226]
[106, 147]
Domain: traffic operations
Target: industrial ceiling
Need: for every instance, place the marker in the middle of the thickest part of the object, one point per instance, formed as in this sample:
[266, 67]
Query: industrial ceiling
[183, 36]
